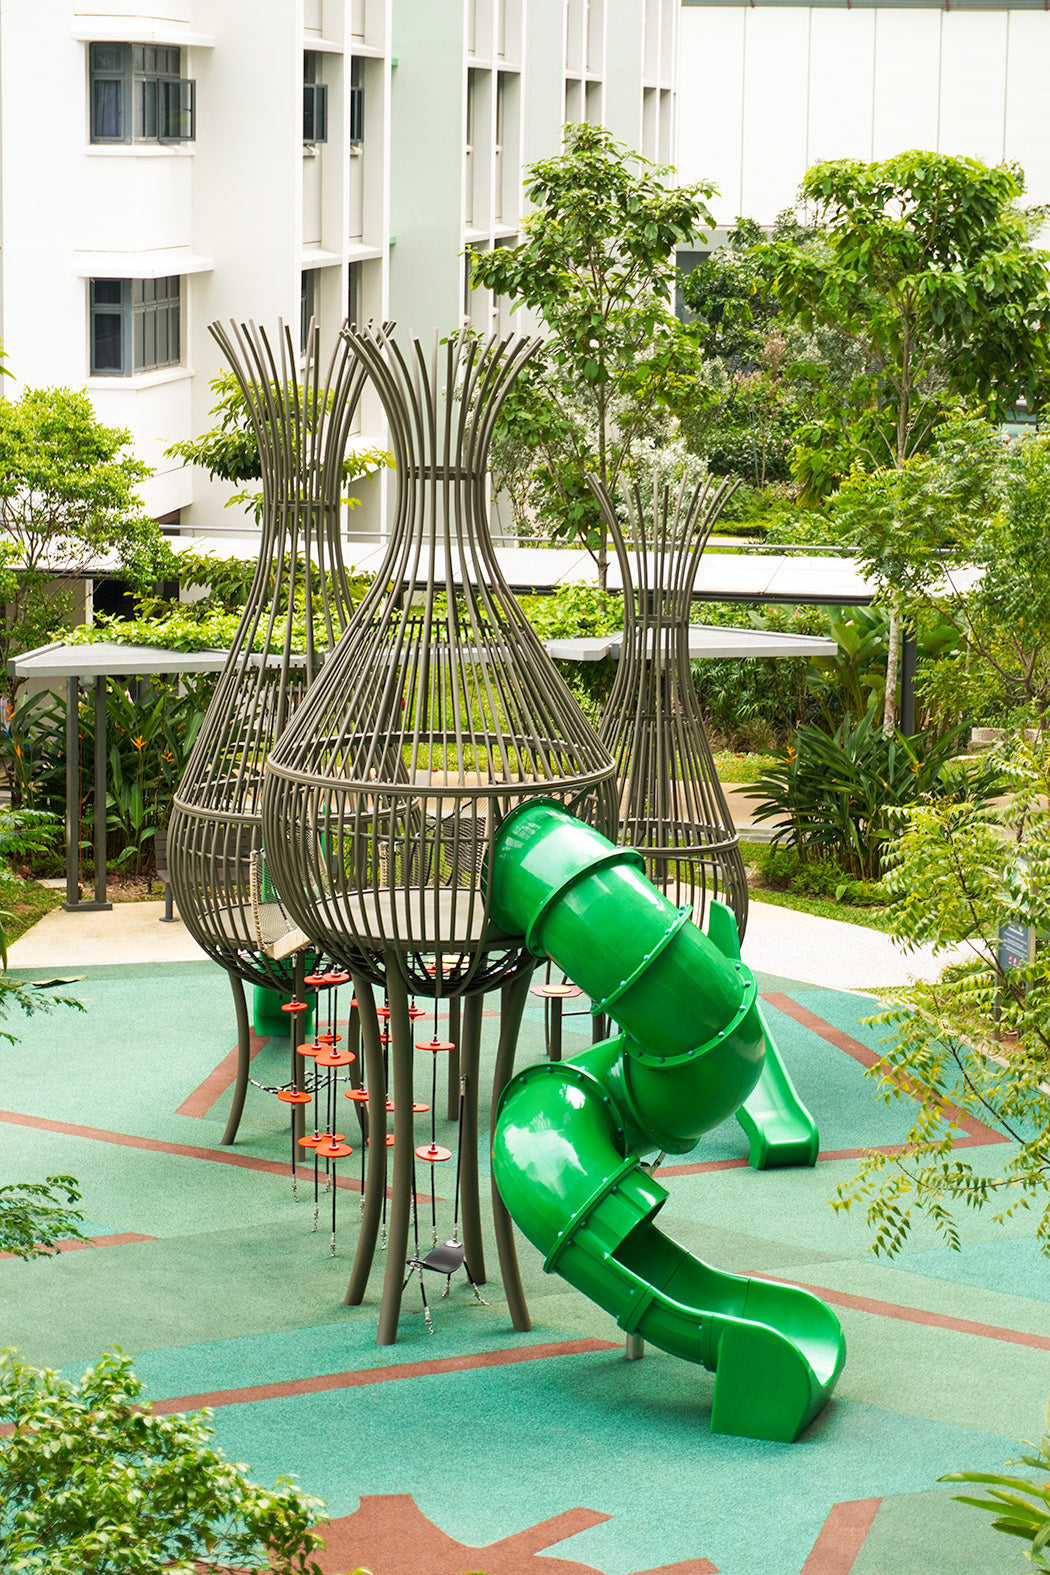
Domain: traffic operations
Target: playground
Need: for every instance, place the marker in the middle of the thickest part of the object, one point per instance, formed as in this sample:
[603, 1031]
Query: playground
[477, 1447]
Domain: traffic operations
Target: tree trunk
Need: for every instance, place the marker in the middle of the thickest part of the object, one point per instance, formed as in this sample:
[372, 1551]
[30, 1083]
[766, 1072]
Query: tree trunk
[893, 662]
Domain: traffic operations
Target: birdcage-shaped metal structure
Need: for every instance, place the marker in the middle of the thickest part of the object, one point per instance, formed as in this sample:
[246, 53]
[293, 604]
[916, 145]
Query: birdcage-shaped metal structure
[672, 807]
[301, 413]
[438, 712]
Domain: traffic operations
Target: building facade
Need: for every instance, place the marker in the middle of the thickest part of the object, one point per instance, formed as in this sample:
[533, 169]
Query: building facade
[272, 159]
[768, 88]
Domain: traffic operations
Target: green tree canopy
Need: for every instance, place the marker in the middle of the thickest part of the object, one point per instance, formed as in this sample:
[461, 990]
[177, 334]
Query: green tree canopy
[93, 1482]
[597, 263]
[928, 266]
[68, 502]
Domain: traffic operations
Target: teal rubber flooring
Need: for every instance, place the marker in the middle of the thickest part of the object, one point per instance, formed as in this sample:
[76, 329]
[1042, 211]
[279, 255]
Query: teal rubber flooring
[476, 1448]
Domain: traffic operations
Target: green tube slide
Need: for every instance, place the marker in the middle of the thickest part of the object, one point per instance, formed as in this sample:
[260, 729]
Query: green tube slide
[569, 1135]
[779, 1128]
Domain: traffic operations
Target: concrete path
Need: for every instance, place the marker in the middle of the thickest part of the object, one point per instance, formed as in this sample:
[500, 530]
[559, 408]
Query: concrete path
[778, 941]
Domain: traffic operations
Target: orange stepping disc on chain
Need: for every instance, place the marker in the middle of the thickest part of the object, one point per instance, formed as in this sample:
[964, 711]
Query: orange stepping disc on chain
[360, 1095]
[435, 1046]
[434, 1153]
[390, 1140]
[417, 1110]
[328, 1055]
[556, 992]
[329, 1149]
[382, 1011]
[309, 1049]
[328, 1039]
[416, 1011]
[292, 1096]
[316, 981]
[295, 1006]
[336, 977]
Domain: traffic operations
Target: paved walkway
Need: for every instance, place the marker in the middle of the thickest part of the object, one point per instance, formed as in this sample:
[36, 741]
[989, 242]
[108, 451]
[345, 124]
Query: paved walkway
[779, 941]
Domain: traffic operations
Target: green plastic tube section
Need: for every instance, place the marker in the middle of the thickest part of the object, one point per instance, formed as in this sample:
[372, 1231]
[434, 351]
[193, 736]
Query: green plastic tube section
[693, 1044]
[569, 1135]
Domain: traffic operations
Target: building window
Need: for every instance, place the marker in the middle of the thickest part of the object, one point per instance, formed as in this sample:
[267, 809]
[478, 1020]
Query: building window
[307, 305]
[136, 325]
[315, 99]
[353, 295]
[138, 94]
[357, 101]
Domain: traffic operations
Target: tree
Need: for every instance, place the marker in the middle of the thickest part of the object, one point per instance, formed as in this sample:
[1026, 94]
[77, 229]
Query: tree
[928, 267]
[976, 1042]
[67, 503]
[957, 536]
[229, 451]
[93, 1482]
[598, 264]
[766, 374]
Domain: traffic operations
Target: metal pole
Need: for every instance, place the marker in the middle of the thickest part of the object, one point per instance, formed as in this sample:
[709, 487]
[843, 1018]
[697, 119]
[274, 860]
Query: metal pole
[909, 656]
[72, 795]
[100, 794]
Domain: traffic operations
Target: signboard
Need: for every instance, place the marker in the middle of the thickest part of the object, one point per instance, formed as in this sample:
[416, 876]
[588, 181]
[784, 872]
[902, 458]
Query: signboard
[1015, 947]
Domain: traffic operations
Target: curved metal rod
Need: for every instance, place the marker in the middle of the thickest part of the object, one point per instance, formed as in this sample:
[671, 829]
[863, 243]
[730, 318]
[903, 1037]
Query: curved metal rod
[515, 994]
[375, 1178]
[244, 1057]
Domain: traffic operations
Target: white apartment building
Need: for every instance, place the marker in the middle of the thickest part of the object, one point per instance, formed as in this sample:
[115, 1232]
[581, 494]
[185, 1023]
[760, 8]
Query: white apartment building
[271, 159]
[769, 87]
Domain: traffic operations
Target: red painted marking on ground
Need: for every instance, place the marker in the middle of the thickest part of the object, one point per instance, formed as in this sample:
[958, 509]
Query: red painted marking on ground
[217, 1082]
[71, 1244]
[842, 1537]
[975, 1130]
[270, 1167]
[700, 1167]
[325, 1382]
[825, 1155]
[931, 1320]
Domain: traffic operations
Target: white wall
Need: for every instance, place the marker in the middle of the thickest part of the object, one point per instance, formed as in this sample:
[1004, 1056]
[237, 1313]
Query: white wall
[767, 91]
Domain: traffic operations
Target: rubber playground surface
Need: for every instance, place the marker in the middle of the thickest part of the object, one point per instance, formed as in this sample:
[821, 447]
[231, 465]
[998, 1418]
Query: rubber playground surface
[476, 1448]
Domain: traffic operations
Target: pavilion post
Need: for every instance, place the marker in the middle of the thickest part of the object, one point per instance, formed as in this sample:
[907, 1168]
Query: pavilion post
[100, 794]
[72, 795]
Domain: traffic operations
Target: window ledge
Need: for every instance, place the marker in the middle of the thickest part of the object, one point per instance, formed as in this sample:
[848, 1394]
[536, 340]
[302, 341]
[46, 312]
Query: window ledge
[139, 30]
[163, 263]
[139, 150]
[163, 374]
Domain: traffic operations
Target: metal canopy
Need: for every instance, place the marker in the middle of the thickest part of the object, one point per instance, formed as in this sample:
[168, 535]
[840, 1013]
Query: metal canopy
[82, 664]
[811, 578]
[110, 659]
[705, 640]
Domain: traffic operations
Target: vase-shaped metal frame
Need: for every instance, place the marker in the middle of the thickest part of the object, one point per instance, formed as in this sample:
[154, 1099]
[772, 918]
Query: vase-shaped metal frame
[438, 711]
[301, 413]
[672, 807]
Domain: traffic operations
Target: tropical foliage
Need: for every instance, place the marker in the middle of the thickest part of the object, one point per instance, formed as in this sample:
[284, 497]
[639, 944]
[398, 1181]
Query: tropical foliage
[597, 264]
[93, 1482]
[970, 877]
[1021, 1507]
[68, 501]
[840, 796]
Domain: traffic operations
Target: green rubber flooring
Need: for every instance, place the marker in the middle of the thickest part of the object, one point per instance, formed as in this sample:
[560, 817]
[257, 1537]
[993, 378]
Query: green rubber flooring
[476, 1448]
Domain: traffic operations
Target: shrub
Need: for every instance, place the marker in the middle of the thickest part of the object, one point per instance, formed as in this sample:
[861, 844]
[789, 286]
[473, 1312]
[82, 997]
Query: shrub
[1021, 1506]
[839, 796]
[92, 1482]
[785, 869]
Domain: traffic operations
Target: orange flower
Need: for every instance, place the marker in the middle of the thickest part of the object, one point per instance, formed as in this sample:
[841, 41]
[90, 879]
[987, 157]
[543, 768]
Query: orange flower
[138, 743]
